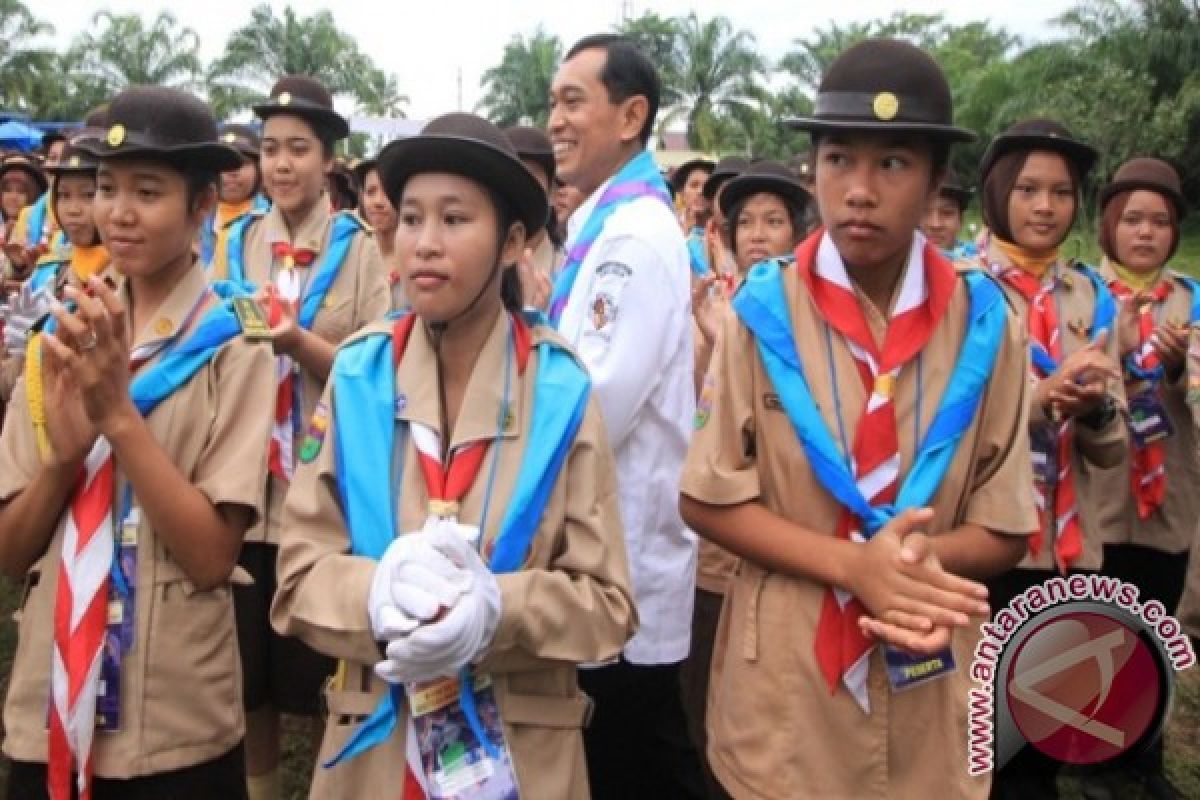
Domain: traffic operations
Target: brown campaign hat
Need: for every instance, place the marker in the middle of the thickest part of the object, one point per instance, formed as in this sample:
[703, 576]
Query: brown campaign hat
[680, 176]
[764, 176]
[1039, 134]
[74, 161]
[884, 85]
[307, 98]
[725, 169]
[242, 138]
[533, 145]
[1147, 173]
[467, 145]
[954, 188]
[22, 163]
[168, 125]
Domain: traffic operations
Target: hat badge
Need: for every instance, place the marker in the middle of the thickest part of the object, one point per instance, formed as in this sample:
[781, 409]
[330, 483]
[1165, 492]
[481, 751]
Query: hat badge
[74, 162]
[285, 98]
[885, 106]
[231, 137]
[116, 135]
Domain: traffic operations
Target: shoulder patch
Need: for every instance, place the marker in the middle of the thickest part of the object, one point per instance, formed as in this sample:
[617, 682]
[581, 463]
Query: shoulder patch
[318, 426]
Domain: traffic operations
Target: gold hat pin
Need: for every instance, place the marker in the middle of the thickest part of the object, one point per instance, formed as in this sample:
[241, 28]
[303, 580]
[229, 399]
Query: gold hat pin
[285, 98]
[231, 137]
[886, 106]
[116, 135]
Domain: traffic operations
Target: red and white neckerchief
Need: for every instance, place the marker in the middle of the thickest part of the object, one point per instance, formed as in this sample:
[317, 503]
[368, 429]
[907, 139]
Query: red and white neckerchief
[842, 650]
[281, 455]
[1042, 320]
[446, 485]
[1148, 470]
[81, 605]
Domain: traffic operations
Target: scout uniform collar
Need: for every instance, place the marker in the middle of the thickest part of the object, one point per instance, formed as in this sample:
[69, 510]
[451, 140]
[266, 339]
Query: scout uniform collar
[175, 309]
[162, 124]
[309, 234]
[884, 85]
[483, 401]
[305, 97]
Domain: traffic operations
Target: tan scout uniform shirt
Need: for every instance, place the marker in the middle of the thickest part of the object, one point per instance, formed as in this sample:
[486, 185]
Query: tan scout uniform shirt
[1170, 528]
[774, 729]
[571, 604]
[358, 295]
[181, 692]
[1094, 450]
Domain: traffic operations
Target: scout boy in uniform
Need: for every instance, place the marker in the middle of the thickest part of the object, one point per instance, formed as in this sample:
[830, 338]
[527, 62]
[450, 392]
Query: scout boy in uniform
[131, 463]
[866, 447]
[454, 520]
[1032, 175]
[320, 278]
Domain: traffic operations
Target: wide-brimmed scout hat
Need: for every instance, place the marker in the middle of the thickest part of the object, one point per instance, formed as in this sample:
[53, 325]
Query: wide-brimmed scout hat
[680, 175]
[168, 125]
[764, 176]
[307, 98]
[244, 139]
[884, 85]
[74, 162]
[1039, 134]
[467, 145]
[725, 169]
[1147, 173]
[533, 145]
[19, 162]
[954, 188]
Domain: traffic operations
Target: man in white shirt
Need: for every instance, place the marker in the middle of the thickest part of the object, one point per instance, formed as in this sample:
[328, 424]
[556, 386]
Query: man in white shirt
[623, 300]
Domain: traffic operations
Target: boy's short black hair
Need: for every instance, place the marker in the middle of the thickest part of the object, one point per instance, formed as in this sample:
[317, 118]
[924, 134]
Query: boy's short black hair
[627, 73]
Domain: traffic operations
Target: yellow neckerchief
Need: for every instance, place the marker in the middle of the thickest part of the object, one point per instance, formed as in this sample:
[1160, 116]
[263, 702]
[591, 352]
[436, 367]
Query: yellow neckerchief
[1137, 281]
[228, 212]
[1036, 264]
[88, 261]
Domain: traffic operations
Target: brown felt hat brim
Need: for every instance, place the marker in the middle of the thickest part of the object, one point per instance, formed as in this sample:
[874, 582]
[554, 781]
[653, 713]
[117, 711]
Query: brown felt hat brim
[206, 157]
[319, 117]
[471, 158]
[815, 125]
[1173, 195]
[1083, 156]
[744, 186]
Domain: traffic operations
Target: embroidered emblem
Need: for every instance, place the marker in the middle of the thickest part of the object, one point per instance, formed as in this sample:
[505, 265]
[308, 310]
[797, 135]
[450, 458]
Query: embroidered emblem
[705, 402]
[315, 438]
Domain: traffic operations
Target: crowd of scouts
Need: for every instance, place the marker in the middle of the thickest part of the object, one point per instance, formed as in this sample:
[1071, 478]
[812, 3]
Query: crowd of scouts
[520, 468]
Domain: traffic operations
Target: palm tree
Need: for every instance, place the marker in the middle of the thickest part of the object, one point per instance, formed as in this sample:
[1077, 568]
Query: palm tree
[121, 51]
[658, 38]
[518, 88]
[270, 46]
[379, 95]
[719, 68]
[19, 59]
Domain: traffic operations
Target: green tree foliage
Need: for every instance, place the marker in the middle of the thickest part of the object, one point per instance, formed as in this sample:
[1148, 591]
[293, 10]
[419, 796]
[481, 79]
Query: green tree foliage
[517, 90]
[120, 51]
[20, 56]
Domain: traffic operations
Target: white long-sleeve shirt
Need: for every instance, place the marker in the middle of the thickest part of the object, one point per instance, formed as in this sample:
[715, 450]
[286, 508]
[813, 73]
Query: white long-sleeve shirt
[628, 317]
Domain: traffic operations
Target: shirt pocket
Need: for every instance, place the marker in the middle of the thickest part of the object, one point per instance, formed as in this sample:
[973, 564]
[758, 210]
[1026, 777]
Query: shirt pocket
[191, 692]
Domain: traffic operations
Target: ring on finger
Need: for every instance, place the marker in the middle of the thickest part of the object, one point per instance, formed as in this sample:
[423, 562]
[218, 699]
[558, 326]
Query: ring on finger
[89, 343]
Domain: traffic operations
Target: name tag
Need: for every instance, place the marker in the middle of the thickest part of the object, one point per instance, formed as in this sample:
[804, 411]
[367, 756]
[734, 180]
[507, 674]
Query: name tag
[251, 318]
[456, 764]
[1148, 420]
[907, 671]
[1043, 446]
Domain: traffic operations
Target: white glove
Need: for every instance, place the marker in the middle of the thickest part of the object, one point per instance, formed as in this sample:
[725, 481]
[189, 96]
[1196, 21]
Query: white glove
[23, 309]
[412, 584]
[443, 647]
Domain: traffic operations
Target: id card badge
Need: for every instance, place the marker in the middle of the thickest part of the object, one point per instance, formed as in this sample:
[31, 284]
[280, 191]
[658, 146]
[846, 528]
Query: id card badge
[456, 764]
[1148, 420]
[907, 671]
[253, 321]
[119, 631]
[1043, 446]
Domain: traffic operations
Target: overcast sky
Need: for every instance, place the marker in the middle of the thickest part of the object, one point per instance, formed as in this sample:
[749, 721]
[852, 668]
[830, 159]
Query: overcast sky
[428, 44]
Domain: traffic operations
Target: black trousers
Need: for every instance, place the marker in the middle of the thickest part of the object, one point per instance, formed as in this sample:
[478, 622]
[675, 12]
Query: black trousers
[637, 744]
[224, 777]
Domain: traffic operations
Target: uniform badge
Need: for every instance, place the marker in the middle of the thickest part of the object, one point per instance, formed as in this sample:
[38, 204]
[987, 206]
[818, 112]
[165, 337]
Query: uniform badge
[704, 403]
[886, 105]
[401, 403]
[116, 135]
[317, 428]
[163, 326]
[604, 310]
[1078, 327]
